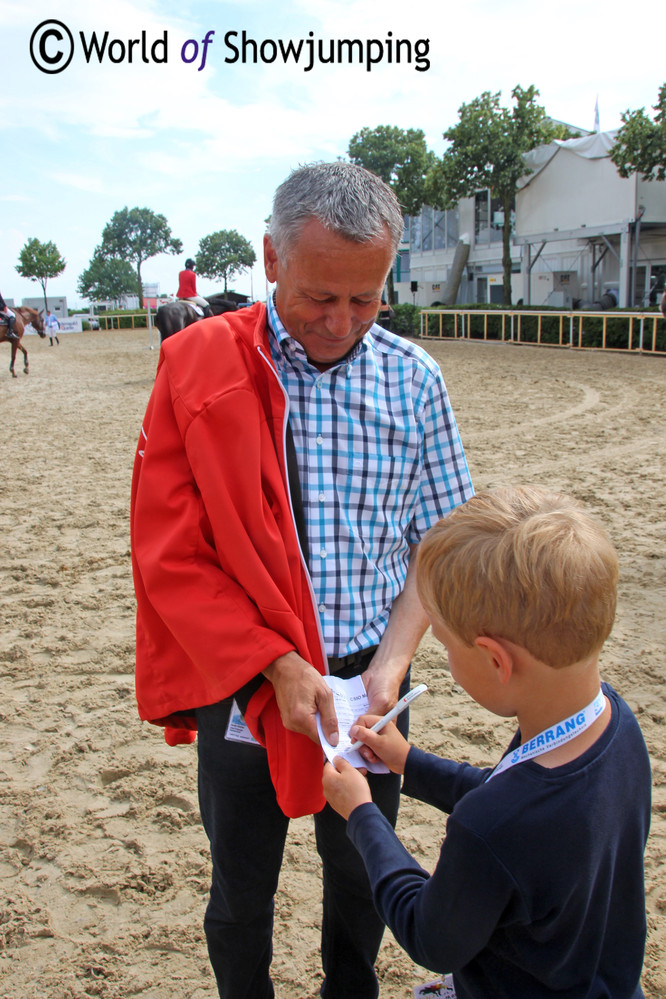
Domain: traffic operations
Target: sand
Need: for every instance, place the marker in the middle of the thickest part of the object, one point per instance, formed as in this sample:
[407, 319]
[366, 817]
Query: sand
[103, 863]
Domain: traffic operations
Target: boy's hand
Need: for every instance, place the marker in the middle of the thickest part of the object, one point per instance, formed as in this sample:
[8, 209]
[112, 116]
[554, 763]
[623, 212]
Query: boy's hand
[387, 745]
[345, 788]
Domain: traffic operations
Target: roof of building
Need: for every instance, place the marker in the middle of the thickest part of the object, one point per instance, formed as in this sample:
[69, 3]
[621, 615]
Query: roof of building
[594, 146]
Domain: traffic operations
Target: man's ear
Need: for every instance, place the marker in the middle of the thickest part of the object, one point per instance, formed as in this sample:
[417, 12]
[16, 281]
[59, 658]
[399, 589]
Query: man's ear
[499, 654]
[270, 259]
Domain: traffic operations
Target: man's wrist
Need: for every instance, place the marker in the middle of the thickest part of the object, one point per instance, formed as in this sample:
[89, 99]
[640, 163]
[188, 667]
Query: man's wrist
[273, 668]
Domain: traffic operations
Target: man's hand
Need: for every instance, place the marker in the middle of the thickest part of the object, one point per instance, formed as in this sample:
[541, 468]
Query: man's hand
[345, 788]
[386, 746]
[382, 687]
[406, 626]
[301, 692]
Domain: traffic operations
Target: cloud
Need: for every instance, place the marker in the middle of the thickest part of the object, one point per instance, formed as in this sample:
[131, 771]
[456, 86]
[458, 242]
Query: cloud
[79, 181]
[207, 148]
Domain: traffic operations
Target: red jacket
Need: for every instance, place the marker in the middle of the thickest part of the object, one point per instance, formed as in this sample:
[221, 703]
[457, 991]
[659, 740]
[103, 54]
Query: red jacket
[221, 587]
[187, 284]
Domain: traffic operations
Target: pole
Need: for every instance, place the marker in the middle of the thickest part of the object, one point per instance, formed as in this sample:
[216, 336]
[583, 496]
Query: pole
[150, 327]
[637, 236]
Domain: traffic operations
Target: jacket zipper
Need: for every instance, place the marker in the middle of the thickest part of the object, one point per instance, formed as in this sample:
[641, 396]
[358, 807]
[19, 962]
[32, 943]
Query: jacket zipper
[291, 508]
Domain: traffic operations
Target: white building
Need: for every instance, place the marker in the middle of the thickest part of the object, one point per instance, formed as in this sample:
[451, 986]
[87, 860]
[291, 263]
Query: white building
[57, 304]
[580, 230]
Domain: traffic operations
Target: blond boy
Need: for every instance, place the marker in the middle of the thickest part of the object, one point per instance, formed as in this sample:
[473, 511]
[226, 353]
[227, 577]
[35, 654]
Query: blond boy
[538, 891]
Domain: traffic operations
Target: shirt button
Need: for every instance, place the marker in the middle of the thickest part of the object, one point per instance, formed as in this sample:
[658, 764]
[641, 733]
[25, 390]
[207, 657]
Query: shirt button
[322, 553]
[322, 497]
[322, 608]
[320, 440]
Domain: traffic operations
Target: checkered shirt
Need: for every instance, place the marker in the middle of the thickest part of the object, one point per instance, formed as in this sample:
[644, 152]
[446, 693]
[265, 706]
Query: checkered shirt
[380, 460]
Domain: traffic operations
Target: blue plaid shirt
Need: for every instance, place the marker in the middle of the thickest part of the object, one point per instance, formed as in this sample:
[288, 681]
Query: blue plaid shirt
[380, 460]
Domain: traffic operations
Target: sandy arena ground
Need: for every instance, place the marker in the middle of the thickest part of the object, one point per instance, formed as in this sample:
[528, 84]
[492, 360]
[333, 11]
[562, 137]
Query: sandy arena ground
[103, 861]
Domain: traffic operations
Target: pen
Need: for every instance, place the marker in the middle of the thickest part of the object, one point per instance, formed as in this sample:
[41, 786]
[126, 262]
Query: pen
[394, 712]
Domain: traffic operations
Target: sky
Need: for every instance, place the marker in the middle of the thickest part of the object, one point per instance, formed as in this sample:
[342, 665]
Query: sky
[203, 133]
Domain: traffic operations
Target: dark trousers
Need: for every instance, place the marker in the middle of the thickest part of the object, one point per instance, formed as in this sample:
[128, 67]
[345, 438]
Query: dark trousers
[247, 832]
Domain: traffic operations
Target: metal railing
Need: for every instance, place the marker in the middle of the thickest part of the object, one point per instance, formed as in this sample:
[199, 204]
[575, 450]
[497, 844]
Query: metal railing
[547, 329]
[121, 320]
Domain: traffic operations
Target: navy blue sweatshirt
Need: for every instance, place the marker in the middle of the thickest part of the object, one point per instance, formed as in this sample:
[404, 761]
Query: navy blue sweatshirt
[539, 888]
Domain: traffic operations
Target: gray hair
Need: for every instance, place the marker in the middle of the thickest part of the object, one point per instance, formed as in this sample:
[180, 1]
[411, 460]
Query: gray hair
[344, 197]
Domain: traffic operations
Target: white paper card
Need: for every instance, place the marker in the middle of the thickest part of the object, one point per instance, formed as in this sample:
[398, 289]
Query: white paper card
[237, 730]
[351, 701]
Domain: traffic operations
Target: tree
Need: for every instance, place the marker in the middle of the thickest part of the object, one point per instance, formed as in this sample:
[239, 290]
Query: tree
[106, 279]
[486, 150]
[39, 262]
[223, 254]
[136, 234]
[400, 157]
[402, 160]
[640, 144]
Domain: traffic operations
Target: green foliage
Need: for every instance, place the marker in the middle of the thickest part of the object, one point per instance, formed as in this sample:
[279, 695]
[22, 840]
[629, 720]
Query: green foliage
[123, 319]
[399, 156]
[402, 160]
[406, 319]
[622, 333]
[487, 149]
[640, 145]
[106, 279]
[223, 254]
[39, 262]
[136, 234]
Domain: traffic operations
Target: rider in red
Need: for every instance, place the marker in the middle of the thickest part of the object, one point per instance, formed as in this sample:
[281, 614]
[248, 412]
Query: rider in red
[187, 287]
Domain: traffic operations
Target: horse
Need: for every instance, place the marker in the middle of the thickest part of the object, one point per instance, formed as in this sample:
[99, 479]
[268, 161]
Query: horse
[34, 317]
[219, 304]
[24, 315]
[176, 315]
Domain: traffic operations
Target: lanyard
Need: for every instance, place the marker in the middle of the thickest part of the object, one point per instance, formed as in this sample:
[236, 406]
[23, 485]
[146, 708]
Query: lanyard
[553, 737]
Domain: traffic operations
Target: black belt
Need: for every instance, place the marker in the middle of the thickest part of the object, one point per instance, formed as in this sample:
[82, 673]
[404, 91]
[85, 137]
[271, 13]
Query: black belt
[354, 663]
[346, 667]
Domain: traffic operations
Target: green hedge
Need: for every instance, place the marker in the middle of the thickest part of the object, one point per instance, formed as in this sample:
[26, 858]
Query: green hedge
[126, 320]
[406, 320]
[617, 327]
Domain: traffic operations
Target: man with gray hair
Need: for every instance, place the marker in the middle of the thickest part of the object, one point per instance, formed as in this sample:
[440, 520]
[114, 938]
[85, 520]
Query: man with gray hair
[291, 459]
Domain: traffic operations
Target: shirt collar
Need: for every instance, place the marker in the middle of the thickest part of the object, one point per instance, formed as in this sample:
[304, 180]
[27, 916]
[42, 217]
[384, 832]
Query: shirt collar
[289, 347]
[275, 323]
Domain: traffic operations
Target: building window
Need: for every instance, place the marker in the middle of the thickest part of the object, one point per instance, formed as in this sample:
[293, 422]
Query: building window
[433, 229]
[401, 266]
[489, 218]
[657, 283]
[426, 222]
[452, 227]
[415, 233]
[496, 220]
[482, 217]
[439, 226]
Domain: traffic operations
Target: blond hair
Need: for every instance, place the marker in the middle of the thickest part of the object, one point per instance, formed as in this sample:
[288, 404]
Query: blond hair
[523, 564]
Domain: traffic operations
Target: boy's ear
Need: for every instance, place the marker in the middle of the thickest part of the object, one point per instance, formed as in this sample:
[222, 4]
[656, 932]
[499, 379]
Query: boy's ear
[499, 654]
